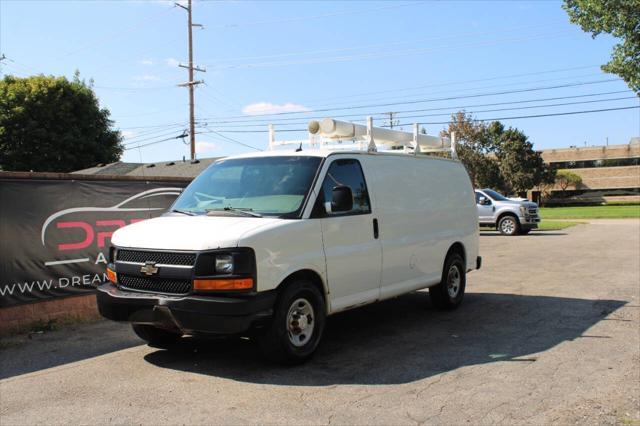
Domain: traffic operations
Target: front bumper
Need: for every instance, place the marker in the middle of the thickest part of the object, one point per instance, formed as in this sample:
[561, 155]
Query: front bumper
[529, 221]
[194, 314]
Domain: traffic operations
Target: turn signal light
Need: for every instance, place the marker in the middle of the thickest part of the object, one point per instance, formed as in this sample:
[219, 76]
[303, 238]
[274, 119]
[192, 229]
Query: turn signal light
[224, 284]
[112, 276]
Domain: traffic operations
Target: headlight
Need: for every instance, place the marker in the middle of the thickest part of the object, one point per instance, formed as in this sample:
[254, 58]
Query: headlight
[523, 210]
[224, 264]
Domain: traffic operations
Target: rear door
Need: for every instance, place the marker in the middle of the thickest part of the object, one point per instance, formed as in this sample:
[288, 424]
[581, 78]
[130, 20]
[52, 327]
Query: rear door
[352, 249]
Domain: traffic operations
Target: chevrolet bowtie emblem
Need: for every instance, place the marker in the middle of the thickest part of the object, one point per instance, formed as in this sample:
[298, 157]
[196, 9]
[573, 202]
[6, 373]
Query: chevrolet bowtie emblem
[149, 268]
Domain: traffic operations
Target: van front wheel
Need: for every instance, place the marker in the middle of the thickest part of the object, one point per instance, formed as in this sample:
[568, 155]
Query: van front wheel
[449, 293]
[297, 325]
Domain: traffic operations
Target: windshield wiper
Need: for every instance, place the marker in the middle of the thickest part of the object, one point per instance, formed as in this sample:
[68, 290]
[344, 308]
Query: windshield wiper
[242, 211]
[188, 213]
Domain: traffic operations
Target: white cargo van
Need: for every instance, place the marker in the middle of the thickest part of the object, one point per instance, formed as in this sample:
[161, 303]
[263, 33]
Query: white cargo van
[270, 244]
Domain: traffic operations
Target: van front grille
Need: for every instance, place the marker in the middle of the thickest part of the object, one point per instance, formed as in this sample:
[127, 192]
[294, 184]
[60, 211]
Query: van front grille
[159, 257]
[154, 285]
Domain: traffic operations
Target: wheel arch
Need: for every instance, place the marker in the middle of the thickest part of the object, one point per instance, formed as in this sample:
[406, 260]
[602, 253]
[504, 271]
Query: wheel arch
[459, 248]
[310, 275]
[507, 213]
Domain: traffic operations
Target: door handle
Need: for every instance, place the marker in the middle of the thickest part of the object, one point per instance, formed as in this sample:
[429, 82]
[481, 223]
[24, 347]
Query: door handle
[375, 229]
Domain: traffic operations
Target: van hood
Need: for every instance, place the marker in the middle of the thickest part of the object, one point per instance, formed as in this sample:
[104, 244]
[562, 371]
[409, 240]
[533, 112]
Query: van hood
[187, 232]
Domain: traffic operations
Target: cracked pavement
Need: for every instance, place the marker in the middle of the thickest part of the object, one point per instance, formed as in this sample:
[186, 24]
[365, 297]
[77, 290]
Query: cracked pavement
[548, 333]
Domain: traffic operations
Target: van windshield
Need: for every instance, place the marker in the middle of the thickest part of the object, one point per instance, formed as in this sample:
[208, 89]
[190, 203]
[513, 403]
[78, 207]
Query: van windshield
[266, 186]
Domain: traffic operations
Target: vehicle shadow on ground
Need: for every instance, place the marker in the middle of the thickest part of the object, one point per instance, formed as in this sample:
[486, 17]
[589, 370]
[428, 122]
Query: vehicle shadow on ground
[532, 234]
[404, 340]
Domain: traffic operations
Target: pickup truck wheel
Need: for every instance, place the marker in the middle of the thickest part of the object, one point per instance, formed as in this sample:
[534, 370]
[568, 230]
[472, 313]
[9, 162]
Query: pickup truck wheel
[449, 293]
[509, 225]
[297, 325]
[156, 337]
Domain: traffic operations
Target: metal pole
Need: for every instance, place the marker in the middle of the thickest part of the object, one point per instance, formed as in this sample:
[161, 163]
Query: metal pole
[192, 118]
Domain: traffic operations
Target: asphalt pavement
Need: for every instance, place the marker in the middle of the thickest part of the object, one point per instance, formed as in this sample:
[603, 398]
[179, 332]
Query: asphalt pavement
[549, 332]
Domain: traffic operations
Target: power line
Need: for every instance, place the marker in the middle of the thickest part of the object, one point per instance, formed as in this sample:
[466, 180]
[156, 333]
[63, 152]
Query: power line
[117, 34]
[378, 55]
[447, 98]
[463, 89]
[540, 115]
[152, 126]
[153, 143]
[358, 11]
[458, 83]
[227, 138]
[478, 120]
[381, 45]
[525, 107]
[130, 142]
[284, 121]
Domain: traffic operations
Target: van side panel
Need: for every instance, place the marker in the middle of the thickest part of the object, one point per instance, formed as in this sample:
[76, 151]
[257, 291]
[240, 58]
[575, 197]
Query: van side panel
[423, 206]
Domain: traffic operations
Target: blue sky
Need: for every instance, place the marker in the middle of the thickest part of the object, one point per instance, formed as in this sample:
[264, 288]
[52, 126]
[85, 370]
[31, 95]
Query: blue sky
[300, 57]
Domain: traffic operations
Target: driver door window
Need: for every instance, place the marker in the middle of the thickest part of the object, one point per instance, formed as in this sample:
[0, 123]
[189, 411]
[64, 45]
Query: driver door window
[344, 172]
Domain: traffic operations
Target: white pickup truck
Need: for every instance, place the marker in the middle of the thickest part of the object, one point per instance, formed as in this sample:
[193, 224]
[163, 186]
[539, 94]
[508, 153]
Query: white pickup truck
[269, 244]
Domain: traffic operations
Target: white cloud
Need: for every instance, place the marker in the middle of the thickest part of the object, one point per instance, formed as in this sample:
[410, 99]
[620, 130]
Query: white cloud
[202, 146]
[146, 77]
[269, 108]
[172, 62]
[127, 134]
[145, 62]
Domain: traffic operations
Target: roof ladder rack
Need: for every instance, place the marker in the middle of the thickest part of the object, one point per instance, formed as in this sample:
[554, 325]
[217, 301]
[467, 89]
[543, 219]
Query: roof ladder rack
[334, 134]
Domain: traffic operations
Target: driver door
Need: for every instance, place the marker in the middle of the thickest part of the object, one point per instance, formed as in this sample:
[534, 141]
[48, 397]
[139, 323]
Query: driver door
[352, 249]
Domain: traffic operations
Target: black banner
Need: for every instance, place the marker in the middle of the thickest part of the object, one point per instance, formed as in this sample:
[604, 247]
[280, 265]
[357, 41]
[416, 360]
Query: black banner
[54, 234]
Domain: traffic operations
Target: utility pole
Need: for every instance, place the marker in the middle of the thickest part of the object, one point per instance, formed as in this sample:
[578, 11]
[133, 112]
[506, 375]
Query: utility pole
[392, 122]
[191, 83]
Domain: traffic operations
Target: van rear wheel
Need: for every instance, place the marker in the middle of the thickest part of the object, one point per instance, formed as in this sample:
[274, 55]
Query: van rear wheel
[450, 292]
[297, 325]
[156, 337]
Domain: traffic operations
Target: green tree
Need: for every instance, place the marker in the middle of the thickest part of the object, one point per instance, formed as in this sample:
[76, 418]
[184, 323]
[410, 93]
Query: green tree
[499, 158]
[566, 178]
[521, 167]
[473, 149]
[51, 124]
[621, 19]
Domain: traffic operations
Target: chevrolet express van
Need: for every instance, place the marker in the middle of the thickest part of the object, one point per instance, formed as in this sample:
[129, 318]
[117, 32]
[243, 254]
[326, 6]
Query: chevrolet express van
[268, 245]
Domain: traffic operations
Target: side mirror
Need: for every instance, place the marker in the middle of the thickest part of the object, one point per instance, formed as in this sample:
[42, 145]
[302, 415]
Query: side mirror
[341, 200]
[483, 201]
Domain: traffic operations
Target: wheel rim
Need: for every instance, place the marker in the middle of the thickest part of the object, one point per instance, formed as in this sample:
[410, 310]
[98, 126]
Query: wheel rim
[300, 322]
[508, 226]
[453, 281]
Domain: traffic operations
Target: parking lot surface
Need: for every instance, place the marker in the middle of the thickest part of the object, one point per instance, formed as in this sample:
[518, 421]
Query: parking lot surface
[549, 331]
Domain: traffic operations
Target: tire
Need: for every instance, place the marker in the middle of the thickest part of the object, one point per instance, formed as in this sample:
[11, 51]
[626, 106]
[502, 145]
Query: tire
[449, 293]
[285, 340]
[156, 337]
[509, 225]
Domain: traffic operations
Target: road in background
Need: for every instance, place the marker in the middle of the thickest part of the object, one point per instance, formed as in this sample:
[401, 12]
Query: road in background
[548, 332]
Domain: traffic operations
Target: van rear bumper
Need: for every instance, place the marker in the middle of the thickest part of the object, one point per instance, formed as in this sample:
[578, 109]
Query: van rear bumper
[197, 315]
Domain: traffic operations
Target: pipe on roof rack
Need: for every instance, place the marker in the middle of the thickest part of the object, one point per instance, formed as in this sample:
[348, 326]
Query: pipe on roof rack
[336, 129]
